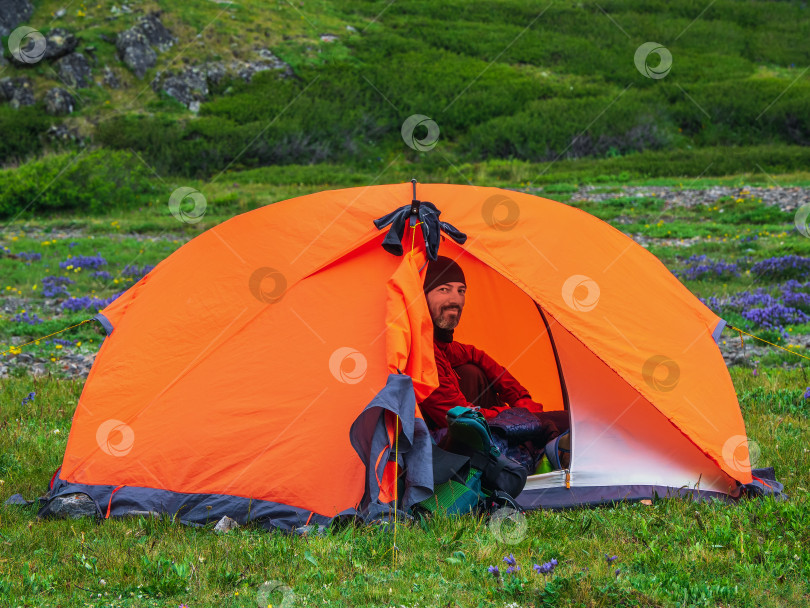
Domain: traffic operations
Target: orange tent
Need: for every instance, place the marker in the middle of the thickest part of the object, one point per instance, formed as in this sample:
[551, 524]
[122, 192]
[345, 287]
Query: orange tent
[233, 373]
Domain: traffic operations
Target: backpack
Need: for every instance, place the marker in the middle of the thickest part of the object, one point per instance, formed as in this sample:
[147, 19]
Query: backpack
[469, 471]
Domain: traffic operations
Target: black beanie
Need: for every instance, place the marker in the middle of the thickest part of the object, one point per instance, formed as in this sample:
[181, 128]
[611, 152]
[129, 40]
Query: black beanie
[443, 270]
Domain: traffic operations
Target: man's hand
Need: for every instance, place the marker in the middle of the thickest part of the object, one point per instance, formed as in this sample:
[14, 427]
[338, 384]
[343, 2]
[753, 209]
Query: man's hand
[532, 406]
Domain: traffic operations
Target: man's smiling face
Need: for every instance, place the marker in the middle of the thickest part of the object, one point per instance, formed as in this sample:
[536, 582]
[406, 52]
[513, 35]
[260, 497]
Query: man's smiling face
[445, 304]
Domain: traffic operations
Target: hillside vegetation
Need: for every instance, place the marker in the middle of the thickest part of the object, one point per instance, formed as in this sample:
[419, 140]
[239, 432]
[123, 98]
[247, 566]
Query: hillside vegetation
[537, 84]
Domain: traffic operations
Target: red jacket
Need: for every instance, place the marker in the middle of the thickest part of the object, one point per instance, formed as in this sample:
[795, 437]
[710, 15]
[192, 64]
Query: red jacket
[448, 395]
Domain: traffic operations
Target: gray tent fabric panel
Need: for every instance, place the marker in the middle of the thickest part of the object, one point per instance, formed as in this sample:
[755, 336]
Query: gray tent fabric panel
[105, 323]
[564, 498]
[370, 439]
[721, 324]
[189, 508]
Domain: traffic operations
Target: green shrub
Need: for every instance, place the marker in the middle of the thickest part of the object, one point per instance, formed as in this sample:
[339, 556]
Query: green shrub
[21, 132]
[89, 182]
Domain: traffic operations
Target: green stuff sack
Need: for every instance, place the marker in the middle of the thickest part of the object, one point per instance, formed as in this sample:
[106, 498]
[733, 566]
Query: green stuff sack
[456, 498]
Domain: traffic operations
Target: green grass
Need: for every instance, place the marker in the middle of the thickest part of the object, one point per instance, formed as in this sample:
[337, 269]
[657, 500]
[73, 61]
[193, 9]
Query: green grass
[672, 553]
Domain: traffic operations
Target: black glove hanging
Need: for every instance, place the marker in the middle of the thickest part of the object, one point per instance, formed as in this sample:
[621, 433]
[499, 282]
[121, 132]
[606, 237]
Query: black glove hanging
[424, 212]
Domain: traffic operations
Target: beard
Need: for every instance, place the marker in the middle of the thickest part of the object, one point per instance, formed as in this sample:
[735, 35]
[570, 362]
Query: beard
[447, 322]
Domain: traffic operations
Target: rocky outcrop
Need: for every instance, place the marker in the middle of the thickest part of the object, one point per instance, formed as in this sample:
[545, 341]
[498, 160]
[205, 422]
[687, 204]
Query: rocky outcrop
[189, 87]
[14, 13]
[74, 71]
[135, 45]
[155, 32]
[17, 91]
[59, 102]
[59, 42]
[134, 50]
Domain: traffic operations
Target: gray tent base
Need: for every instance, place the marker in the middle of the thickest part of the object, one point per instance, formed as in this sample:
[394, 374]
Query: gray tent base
[591, 496]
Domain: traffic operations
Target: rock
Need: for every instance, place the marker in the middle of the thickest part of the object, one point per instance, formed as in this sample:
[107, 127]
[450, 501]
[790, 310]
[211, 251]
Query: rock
[351, 28]
[110, 79]
[187, 87]
[59, 102]
[71, 505]
[62, 132]
[135, 44]
[59, 42]
[91, 53]
[74, 71]
[14, 13]
[38, 369]
[328, 37]
[226, 524]
[269, 61]
[25, 358]
[215, 72]
[134, 50]
[18, 499]
[60, 13]
[17, 91]
[155, 32]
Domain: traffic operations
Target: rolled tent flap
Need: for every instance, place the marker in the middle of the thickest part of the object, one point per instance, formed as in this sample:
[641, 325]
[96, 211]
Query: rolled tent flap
[409, 328]
[374, 436]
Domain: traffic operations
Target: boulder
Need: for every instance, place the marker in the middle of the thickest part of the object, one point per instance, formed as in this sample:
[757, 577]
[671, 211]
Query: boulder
[135, 44]
[58, 101]
[70, 505]
[59, 42]
[74, 71]
[134, 50]
[155, 32]
[14, 13]
[17, 91]
[189, 87]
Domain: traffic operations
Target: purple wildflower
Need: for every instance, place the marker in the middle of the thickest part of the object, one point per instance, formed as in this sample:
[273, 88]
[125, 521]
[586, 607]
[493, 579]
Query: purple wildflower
[494, 571]
[546, 568]
[53, 287]
[512, 569]
[102, 275]
[807, 393]
[618, 570]
[510, 559]
[87, 303]
[782, 267]
[26, 318]
[29, 398]
[611, 558]
[84, 261]
[30, 256]
[134, 271]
